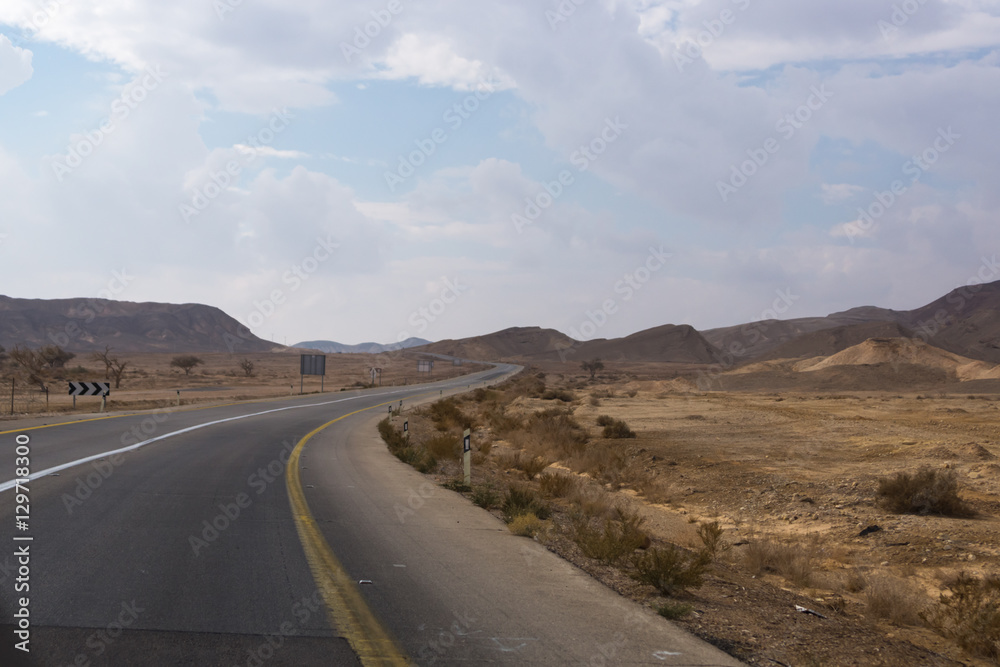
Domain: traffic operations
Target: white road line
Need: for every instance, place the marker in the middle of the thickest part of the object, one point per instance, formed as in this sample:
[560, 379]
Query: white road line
[59, 468]
[10, 484]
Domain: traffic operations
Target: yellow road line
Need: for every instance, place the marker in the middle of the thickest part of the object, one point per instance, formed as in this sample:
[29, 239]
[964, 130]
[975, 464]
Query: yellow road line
[347, 608]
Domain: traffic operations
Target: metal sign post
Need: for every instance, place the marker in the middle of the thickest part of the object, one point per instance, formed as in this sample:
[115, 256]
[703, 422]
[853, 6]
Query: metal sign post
[102, 389]
[467, 456]
[312, 364]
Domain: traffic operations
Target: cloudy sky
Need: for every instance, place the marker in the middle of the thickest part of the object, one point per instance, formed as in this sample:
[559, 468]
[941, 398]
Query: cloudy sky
[375, 170]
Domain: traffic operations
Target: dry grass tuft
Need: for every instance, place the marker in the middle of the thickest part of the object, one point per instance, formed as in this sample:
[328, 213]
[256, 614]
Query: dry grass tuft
[969, 614]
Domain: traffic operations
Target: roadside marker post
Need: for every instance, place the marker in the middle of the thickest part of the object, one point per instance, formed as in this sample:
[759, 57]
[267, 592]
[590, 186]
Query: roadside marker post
[467, 456]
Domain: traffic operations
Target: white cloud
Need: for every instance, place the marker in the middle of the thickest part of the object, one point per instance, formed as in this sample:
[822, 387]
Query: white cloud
[834, 193]
[15, 65]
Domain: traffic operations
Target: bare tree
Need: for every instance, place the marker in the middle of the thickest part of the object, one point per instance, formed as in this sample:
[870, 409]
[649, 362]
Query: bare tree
[30, 363]
[186, 362]
[106, 359]
[117, 371]
[592, 367]
[247, 367]
[54, 356]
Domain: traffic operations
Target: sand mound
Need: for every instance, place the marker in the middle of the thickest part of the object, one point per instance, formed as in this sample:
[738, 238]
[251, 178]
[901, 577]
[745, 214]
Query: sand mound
[898, 352]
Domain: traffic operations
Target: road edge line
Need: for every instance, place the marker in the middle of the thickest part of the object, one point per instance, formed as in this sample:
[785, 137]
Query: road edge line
[346, 607]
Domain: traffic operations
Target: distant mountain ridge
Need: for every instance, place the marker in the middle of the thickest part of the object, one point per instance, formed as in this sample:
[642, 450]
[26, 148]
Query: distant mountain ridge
[87, 325]
[332, 347]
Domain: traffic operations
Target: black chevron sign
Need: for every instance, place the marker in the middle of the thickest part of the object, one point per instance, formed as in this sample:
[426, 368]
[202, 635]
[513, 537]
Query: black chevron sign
[89, 388]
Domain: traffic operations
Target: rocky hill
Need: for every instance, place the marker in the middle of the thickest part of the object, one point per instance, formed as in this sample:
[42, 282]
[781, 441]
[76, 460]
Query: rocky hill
[86, 325]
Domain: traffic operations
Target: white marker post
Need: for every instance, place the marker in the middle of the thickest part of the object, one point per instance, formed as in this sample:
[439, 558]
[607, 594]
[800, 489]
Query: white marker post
[467, 455]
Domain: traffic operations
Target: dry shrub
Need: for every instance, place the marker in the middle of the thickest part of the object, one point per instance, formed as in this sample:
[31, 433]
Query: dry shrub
[671, 569]
[605, 420]
[485, 496]
[614, 540]
[594, 401]
[617, 429]
[529, 525]
[558, 395]
[446, 414]
[531, 467]
[444, 446]
[791, 561]
[632, 393]
[521, 500]
[710, 535]
[555, 485]
[500, 422]
[927, 491]
[557, 431]
[592, 500]
[418, 457]
[894, 599]
[969, 614]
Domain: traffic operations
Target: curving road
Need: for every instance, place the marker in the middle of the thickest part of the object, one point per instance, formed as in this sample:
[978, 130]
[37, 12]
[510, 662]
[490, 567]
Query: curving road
[202, 545]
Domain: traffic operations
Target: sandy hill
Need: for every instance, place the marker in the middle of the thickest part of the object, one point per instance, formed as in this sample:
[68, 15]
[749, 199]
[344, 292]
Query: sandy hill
[85, 325]
[831, 341]
[513, 343]
[965, 321]
[899, 352]
[668, 343]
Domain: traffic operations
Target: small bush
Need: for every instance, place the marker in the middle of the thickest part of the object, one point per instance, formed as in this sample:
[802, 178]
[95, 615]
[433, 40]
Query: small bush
[444, 446]
[616, 539]
[894, 600]
[674, 610]
[531, 467]
[558, 395]
[605, 420]
[521, 500]
[970, 615]
[618, 429]
[555, 485]
[793, 562]
[486, 497]
[632, 393]
[457, 485]
[528, 525]
[925, 492]
[446, 414]
[558, 431]
[670, 569]
[710, 535]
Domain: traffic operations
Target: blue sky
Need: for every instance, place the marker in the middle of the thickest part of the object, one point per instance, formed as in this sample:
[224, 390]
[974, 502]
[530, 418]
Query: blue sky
[231, 154]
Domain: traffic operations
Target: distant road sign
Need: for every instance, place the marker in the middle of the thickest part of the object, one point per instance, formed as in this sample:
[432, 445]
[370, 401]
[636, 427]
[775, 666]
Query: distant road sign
[425, 366]
[89, 388]
[313, 364]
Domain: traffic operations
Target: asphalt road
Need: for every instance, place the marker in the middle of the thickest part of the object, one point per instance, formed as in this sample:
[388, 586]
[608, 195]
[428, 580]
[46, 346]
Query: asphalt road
[202, 547]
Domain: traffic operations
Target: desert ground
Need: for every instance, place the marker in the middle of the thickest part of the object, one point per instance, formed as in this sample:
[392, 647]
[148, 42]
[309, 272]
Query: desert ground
[151, 382]
[791, 479]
